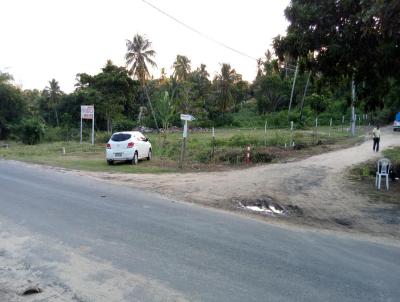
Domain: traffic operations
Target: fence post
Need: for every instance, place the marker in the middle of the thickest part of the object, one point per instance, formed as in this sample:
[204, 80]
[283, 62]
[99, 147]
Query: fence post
[316, 129]
[213, 143]
[265, 133]
[330, 127]
[342, 122]
[291, 133]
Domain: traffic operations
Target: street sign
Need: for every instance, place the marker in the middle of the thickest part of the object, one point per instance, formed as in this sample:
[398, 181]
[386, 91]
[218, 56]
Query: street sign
[187, 117]
[87, 112]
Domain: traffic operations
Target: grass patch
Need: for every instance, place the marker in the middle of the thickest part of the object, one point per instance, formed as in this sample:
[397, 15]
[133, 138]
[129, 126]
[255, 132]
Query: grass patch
[363, 176]
[229, 146]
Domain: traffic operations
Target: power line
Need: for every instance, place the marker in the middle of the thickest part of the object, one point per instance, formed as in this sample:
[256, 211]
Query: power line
[199, 32]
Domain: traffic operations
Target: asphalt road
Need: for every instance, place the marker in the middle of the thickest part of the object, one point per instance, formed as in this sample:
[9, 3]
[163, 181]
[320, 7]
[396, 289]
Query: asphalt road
[202, 254]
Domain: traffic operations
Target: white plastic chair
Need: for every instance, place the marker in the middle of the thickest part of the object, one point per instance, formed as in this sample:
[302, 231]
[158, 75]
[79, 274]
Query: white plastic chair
[383, 166]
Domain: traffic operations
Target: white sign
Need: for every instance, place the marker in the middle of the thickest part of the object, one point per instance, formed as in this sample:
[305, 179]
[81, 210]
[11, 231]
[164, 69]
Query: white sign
[87, 112]
[187, 117]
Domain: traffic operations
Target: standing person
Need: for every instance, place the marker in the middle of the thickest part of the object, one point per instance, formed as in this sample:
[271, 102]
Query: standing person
[376, 135]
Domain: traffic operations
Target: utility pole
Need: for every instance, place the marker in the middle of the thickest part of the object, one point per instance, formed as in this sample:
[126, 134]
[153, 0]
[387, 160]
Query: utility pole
[151, 108]
[304, 96]
[293, 85]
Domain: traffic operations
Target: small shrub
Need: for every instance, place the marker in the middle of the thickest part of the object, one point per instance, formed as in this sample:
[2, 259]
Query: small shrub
[102, 137]
[53, 134]
[231, 156]
[278, 140]
[262, 156]
[31, 131]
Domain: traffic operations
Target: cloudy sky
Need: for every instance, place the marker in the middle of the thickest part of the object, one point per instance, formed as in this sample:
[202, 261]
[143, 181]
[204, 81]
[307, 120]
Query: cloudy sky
[45, 39]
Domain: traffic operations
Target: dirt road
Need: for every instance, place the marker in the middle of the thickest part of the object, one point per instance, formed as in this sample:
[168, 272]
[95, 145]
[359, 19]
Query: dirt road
[316, 185]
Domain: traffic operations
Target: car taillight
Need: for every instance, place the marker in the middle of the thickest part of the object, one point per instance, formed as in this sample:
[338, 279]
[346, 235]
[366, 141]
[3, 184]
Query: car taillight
[130, 145]
[108, 146]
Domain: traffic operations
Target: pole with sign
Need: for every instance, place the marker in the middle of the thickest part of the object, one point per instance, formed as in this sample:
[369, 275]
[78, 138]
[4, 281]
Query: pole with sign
[186, 118]
[87, 113]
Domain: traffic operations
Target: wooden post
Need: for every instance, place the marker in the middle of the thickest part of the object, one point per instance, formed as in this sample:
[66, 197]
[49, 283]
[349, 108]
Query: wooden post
[213, 143]
[291, 133]
[265, 133]
[330, 127]
[342, 122]
[353, 100]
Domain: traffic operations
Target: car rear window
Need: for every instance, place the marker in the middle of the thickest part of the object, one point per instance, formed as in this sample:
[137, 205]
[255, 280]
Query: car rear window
[120, 137]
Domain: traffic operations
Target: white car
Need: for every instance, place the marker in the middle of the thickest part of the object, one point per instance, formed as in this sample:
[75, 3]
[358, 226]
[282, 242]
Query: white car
[128, 146]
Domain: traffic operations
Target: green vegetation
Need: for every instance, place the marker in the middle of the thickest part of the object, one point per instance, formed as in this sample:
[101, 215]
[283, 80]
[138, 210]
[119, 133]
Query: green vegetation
[394, 155]
[229, 148]
[367, 170]
[355, 45]
[364, 177]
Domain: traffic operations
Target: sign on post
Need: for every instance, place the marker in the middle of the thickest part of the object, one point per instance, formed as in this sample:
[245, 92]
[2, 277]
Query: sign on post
[186, 118]
[87, 113]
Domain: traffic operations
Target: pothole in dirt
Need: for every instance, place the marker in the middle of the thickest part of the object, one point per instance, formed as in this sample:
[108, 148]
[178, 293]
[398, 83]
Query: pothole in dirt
[268, 206]
[344, 222]
[31, 291]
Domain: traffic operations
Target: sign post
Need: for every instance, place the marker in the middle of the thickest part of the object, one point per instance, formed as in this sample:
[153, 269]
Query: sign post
[87, 113]
[186, 118]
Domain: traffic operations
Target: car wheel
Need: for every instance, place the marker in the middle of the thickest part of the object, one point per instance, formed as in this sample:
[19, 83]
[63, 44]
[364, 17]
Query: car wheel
[149, 156]
[135, 159]
[110, 162]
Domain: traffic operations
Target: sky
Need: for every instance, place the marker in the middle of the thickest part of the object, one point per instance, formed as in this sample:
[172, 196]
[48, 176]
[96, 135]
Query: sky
[46, 39]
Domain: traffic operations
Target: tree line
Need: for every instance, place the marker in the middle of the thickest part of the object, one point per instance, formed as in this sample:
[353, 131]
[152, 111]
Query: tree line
[350, 55]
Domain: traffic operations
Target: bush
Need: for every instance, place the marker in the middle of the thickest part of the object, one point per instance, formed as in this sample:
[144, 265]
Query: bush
[226, 119]
[279, 139]
[262, 156]
[231, 156]
[52, 134]
[31, 131]
[102, 137]
[123, 125]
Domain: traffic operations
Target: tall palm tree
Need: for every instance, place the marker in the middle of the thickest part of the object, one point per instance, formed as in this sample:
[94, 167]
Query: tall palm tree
[181, 74]
[53, 92]
[225, 82]
[181, 68]
[139, 55]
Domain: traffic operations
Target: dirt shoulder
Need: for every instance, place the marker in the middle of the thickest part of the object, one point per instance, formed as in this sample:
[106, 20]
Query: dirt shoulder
[317, 188]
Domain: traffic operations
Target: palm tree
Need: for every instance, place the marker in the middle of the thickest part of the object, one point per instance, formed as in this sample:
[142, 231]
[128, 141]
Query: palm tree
[181, 68]
[181, 74]
[139, 55]
[225, 82]
[53, 92]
